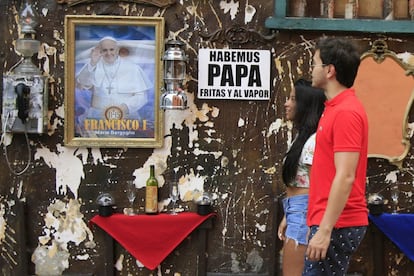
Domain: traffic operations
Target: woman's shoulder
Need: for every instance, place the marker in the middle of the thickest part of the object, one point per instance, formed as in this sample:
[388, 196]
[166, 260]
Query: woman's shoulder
[311, 140]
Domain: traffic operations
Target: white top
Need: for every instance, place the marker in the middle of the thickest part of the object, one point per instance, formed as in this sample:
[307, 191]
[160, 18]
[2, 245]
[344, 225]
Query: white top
[305, 160]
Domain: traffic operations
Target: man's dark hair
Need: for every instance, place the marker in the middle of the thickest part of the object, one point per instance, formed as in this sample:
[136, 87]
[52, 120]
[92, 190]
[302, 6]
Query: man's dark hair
[342, 54]
[309, 107]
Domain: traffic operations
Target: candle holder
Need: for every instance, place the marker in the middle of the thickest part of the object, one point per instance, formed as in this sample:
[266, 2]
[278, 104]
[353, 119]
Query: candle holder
[106, 204]
[204, 204]
[376, 204]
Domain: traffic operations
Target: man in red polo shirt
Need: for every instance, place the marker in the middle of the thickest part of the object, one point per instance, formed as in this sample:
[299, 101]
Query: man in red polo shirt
[337, 215]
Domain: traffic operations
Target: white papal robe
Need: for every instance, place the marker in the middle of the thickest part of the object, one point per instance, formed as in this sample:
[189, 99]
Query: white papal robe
[117, 85]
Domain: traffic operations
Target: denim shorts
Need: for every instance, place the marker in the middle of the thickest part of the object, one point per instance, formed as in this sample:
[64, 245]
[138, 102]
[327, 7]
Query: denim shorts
[296, 208]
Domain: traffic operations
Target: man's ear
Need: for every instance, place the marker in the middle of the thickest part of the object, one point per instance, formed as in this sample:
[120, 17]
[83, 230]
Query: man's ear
[331, 71]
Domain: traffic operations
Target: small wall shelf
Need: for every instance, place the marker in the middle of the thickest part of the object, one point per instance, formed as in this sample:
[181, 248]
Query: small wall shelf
[281, 22]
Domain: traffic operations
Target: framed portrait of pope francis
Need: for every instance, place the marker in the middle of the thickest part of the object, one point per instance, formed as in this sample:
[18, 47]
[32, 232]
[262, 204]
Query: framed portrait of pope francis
[113, 75]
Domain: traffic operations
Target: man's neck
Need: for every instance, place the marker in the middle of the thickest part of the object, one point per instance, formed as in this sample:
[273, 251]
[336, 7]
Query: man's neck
[333, 89]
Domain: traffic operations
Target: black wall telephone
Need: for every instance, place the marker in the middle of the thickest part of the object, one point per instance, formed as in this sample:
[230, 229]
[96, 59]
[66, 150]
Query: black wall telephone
[24, 104]
[22, 101]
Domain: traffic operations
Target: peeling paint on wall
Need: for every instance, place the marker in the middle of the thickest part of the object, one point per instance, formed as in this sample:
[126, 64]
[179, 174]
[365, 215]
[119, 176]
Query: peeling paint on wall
[69, 168]
[63, 227]
[230, 7]
[8, 233]
[119, 262]
[255, 261]
[391, 177]
[232, 152]
[192, 184]
[50, 260]
[250, 11]
[3, 223]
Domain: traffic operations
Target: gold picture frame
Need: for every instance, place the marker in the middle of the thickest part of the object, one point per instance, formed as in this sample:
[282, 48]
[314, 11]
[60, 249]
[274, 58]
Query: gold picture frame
[113, 77]
[385, 85]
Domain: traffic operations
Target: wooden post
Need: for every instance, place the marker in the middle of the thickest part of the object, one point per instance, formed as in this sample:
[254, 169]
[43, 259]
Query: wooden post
[327, 8]
[202, 250]
[378, 249]
[370, 9]
[400, 8]
[351, 9]
[388, 10]
[108, 253]
[297, 8]
[22, 265]
[411, 9]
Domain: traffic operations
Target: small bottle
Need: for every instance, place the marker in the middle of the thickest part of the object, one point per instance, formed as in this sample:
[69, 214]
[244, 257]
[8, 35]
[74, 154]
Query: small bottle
[151, 194]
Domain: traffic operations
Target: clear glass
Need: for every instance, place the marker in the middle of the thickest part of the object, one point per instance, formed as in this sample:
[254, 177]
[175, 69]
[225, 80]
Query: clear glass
[174, 195]
[131, 195]
[394, 192]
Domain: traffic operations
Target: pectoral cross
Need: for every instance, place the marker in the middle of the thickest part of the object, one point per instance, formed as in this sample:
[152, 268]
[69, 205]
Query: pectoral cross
[109, 88]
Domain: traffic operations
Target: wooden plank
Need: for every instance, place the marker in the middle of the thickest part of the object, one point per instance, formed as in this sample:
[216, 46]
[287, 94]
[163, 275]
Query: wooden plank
[400, 9]
[22, 265]
[108, 268]
[335, 24]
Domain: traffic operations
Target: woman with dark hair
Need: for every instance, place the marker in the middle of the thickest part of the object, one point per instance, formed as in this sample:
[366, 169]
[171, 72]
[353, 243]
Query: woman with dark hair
[304, 108]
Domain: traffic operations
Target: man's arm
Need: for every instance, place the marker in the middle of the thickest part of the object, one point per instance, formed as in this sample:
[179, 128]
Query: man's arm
[85, 77]
[346, 164]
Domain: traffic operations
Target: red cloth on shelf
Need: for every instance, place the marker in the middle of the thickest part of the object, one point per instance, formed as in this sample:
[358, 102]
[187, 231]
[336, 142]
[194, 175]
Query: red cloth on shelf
[150, 238]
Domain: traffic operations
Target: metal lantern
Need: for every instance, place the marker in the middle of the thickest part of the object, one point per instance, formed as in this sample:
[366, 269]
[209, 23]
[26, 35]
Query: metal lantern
[24, 87]
[175, 60]
[28, 18]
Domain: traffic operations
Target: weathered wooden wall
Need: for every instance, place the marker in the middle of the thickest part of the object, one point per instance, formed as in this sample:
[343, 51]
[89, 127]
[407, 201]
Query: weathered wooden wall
[232, 149]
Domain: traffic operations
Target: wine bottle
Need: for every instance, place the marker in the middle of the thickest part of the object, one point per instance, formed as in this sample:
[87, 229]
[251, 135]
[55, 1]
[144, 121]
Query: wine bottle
[151, 193]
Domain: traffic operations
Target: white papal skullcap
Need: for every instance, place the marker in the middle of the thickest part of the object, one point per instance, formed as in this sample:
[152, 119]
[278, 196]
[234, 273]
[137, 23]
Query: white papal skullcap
[108, 38]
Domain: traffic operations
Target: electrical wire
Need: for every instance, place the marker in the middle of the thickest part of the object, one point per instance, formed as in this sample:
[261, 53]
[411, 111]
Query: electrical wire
[14, 66]
[29, 159]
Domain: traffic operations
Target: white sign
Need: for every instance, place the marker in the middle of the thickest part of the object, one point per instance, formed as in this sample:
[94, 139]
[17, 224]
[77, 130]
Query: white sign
[233, 74]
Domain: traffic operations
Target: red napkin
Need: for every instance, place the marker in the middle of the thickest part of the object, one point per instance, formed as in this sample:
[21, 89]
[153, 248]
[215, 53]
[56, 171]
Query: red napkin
[150, 238]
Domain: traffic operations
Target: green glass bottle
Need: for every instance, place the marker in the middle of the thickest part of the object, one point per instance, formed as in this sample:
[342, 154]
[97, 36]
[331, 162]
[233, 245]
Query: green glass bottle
[151, 193]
